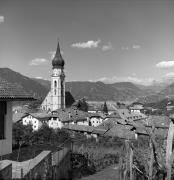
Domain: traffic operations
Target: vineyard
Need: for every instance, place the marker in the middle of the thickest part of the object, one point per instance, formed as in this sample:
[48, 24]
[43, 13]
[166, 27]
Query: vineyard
[148, 156]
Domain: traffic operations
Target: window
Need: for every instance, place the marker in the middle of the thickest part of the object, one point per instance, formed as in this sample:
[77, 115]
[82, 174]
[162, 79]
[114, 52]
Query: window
[2, 119]
[2, 126]
[55, 84]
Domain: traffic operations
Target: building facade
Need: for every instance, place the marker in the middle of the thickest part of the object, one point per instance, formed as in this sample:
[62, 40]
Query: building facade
[56, 97]
[8, 94]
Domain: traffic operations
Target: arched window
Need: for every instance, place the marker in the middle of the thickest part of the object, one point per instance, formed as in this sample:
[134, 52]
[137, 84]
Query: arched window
[55, 84]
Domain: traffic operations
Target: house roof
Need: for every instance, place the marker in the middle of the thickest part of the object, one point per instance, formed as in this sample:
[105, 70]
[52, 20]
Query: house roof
[71, 114]
[121, 131]
[42, 116]
[158, 121]
[127, 115]
[136, 107]
[10, 91]
[76, 127]
[98, 106]
[110, 123]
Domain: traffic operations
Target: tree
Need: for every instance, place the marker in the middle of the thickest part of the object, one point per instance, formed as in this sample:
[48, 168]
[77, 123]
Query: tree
[22, 134]
[105, 108]
[81, 105]
[69, 99]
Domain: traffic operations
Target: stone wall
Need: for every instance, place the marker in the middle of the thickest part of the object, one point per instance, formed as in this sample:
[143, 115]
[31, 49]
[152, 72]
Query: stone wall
[5, 170]
[41, 168]
[63, 170]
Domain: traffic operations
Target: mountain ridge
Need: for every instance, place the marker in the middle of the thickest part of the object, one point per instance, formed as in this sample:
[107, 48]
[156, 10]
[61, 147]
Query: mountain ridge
[93, 91]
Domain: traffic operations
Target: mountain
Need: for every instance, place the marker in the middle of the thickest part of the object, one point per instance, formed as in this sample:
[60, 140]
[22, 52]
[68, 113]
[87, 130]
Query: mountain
[45, 83]
[165, 93]
[152, 89]
[98, 91]
[168, 91]
[93, 91]
[28, 84]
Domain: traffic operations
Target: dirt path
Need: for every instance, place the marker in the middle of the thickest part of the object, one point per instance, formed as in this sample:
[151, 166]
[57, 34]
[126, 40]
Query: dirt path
[110, 173]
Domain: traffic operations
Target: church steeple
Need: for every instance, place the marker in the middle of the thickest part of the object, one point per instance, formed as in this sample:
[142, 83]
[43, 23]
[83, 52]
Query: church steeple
[56, 97]
[58, 61]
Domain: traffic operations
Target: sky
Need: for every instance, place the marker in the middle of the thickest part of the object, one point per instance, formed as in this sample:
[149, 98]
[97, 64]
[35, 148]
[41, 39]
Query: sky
[100, 40]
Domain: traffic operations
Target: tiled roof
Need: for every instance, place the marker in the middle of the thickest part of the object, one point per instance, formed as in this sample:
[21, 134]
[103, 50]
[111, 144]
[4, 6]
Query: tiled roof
[121, 131]
[127, 115]
[96, 115]
[158, 121]
[71, 114]
[98, 106]
[82, 128]
[110, 122]
[136, 107]
[12, 91]
[42, 116]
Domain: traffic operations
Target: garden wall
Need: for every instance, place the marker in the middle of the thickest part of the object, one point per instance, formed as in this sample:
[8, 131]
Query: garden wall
[5, 170]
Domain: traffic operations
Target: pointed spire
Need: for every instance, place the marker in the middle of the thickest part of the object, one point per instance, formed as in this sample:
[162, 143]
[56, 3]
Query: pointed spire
[58, 53]
[58, 60]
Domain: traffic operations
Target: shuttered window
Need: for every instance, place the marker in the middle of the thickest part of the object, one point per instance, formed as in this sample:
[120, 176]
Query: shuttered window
[2, 119]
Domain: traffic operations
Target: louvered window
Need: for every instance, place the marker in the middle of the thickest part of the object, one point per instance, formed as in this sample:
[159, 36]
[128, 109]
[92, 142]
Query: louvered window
[2, 119]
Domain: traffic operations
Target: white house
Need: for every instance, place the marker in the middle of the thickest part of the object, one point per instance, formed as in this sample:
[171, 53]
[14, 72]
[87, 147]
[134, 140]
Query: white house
[95, 119]
[136, 107]
[8, 93]
[54, 122]
[35, 119]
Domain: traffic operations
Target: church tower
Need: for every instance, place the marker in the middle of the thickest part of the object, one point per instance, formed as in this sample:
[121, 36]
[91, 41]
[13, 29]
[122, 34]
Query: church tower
[57, 81]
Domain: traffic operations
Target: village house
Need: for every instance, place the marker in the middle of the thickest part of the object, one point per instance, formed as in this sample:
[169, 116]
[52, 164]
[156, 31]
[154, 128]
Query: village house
[136, 107]
[126, 114]
[35, 119]
[72, 116]
[57, 119]
[95, 119]
[8, 94]
[170, 106]
[97, 107]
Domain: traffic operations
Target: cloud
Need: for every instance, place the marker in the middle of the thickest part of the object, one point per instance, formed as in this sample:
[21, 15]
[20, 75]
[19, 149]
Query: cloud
[132, 47]
[125, 48]
[169, 75]
[38, 61]
[39, 77]
[52, 53]
[165, 64]
[107, 47]
[136, 46]
[88, 44]
[133, 79]
[1, 19]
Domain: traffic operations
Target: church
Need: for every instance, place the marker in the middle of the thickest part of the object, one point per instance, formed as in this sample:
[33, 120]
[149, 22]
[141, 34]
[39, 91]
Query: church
[55, 99]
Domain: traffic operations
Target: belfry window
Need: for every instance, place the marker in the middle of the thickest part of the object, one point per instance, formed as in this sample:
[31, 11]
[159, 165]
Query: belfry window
[55, 84]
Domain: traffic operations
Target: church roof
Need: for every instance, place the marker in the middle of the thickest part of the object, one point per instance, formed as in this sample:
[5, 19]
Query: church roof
[58, 61]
